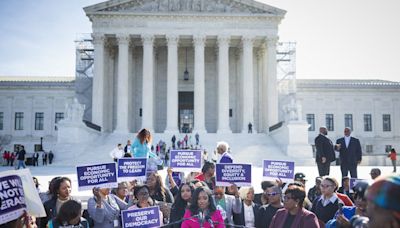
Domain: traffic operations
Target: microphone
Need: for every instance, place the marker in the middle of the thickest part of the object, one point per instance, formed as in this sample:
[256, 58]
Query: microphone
[201, 218]
[181, 220]
[209, 220]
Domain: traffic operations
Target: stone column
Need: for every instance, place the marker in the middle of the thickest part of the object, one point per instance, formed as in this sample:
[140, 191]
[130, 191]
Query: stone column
[148, 82]
[199, 84]
[223, 84]
[122, 84]
[98, 80]
[272, 92]
[248, 92]
[264, 92]
[172, 85]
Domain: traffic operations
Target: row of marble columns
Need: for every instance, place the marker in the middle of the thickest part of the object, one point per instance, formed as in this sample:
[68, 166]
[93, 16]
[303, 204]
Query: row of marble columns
[223, 42]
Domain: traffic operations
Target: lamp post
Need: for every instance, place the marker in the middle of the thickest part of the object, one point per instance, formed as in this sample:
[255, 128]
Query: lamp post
[186, 73]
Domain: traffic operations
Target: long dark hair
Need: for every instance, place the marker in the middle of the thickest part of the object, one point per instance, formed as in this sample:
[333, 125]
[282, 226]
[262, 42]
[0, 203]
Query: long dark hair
[181, 204]
[194, 207]
[57, 184]
[159, 188]
[144, 136]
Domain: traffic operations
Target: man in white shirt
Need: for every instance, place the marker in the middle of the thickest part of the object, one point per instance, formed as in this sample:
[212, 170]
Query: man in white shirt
[349, 152]
[117, 152]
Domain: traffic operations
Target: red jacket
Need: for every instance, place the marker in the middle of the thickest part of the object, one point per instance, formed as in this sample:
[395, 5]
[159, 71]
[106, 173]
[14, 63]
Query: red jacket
[303, 219]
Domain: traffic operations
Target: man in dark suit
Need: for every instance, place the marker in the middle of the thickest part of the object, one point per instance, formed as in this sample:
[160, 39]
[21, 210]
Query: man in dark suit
[325, 153]
[350, 153]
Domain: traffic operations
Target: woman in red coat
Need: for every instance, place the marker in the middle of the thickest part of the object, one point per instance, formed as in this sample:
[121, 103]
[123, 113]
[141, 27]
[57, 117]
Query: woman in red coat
[202, 211]
[293, 214]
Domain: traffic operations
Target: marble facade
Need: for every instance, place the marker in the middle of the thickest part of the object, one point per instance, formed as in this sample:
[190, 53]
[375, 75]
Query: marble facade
[140, 56]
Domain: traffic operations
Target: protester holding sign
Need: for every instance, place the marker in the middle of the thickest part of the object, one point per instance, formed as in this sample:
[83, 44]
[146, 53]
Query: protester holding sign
[202, 211]
[24, 221]
[207, 174]
[105, 208]
[141, 193]
[61, 193]
[12, 199]
[227, 204]
[181, 203]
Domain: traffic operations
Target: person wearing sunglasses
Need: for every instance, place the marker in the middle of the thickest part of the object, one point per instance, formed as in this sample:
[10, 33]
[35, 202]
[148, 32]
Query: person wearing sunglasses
[293, 214]
[267, 212]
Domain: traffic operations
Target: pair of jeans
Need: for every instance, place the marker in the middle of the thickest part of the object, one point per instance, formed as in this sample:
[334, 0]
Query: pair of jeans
[21, 163]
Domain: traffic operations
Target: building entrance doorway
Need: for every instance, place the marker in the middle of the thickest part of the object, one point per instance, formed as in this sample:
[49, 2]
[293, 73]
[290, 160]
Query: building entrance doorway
[186, 112]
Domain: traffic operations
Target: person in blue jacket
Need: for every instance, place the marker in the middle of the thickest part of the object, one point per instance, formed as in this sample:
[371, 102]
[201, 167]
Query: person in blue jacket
[141, 149]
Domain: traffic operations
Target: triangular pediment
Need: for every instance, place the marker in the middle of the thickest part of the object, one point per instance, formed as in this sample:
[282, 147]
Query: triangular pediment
[185, 6]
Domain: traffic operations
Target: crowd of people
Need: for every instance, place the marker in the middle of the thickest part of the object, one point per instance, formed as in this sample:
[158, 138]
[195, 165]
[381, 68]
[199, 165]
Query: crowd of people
[195, 200]
[21, 156]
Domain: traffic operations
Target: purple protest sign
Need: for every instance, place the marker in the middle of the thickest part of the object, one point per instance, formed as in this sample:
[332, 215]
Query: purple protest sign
[101, 175]
[226, 174]
[12, 198]
[131, 168]
[273, 170]
[185, 160]
[141, 217]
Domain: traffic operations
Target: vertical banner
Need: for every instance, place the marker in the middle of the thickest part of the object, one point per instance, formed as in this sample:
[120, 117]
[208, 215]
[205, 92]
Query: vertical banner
[18, 193]
[185, 160]
[100, 175]
[131, 169]
[273, 170]
[142, 217]
[226, 174]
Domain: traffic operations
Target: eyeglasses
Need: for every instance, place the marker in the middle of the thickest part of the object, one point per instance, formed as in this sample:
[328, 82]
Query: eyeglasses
[326, 185]
[273, 194]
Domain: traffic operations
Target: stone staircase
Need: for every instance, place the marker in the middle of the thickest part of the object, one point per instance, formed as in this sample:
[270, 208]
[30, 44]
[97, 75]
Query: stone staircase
[245, 148]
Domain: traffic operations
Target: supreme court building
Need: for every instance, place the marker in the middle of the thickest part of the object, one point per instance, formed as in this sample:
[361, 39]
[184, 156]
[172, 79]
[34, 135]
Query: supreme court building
[206, 66]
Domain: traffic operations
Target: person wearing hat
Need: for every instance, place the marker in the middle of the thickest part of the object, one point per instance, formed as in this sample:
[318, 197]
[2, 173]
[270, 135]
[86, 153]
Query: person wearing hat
[384, 202]
[325, 153]
[300, 177]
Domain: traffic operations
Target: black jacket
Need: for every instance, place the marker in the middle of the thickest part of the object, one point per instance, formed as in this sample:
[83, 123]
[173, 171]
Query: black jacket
[352, 154]
[324, 148]
[51, 211]
[238, 219]
[265, 214]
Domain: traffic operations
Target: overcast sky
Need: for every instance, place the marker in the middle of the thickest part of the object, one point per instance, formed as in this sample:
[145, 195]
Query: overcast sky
[336, 39]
